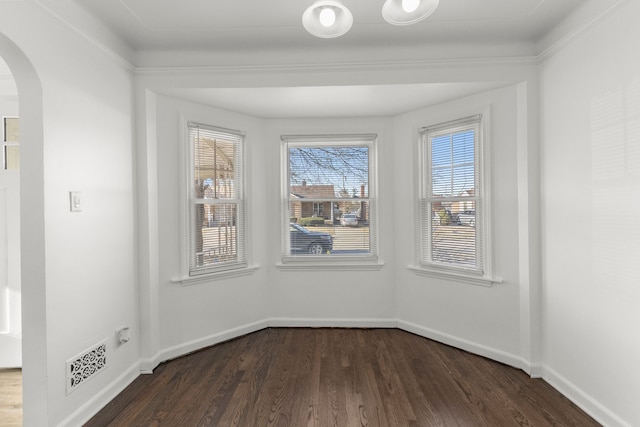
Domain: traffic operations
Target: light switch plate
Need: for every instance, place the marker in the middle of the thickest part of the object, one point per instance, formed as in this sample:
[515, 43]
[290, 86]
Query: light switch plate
[75, 201]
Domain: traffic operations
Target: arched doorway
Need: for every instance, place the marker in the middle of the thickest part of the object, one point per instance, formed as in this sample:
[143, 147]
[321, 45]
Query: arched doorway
[32, 241]
[10, 305]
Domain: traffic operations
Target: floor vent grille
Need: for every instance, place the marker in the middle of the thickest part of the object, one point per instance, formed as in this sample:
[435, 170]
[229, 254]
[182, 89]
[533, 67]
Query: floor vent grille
[86, 365]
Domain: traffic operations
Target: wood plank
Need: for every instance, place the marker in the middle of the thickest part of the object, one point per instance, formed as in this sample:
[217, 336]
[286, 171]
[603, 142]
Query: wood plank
[11, 397]
[338, 377]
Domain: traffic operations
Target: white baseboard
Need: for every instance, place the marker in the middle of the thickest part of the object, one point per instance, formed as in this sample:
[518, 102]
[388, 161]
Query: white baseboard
[294, 322]
[84, 413]
[573, 393]
[148, 365]
[585, 402]
[537, 370]
[471, 347]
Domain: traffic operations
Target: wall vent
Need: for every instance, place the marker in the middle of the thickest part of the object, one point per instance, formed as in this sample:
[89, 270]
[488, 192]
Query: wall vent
[86, 365]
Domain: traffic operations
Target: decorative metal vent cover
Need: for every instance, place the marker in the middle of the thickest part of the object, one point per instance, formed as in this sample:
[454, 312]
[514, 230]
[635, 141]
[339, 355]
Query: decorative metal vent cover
[86, 365]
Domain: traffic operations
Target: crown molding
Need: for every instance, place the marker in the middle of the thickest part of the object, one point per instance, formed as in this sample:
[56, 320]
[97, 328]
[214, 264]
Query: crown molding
[129, 64]
[338, 66]
[117, 57]
[576, 32]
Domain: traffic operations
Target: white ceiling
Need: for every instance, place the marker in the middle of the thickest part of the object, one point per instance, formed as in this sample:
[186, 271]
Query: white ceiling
[329, 101]
[253, 24]
[179, 29]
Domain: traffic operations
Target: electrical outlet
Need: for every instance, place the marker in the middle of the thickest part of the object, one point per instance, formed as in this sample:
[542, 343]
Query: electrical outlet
[123, 335]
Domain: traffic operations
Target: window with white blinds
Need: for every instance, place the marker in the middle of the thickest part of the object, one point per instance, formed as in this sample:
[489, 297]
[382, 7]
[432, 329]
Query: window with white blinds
[451, 199]
[329, 197]
[216, 201]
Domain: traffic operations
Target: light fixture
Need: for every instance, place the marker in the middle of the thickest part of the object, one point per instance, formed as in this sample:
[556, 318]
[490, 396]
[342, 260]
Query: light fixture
[406, 12]
[327, 19]
[330, 18]
[410, 6]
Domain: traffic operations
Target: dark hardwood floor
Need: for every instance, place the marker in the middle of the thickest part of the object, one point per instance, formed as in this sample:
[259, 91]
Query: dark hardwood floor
[337, 377]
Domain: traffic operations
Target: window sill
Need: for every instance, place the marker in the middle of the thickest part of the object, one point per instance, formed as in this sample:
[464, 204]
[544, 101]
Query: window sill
[218, 275]
[352, 264]
[465, 278]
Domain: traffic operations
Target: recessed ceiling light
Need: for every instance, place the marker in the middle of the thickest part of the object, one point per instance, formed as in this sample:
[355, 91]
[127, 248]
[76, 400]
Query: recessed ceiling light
[410, 6]
[330, 18]
[406, 12]
[327, 19]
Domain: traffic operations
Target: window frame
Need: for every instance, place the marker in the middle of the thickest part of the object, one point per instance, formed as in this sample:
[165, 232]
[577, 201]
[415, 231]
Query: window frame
[193, 275]
[369, 261]
[481, 274]
[10, 162]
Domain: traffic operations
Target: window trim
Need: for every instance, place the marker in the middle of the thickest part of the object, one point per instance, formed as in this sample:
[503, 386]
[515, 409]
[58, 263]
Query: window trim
[9, 143]
[186, 160]
[483, 276]
[218, 275]
[370, 261]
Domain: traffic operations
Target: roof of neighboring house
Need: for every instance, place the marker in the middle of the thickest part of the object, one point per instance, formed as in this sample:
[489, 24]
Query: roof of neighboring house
[312, 191]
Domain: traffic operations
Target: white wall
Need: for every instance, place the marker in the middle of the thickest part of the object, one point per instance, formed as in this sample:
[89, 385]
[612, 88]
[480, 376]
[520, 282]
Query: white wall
[326, 296]
[348, 298]
[591, 239]
[196, 315]
[485, 320]
[200, 314]
[91, 271]
[89, 285]
[90, 274]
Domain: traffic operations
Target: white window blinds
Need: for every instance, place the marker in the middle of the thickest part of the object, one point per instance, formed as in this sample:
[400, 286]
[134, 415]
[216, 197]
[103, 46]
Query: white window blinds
[216, 211]
[451, 195]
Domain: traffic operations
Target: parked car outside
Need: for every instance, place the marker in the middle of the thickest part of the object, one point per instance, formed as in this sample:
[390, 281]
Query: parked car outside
[349, 220]
[467, 218]
[309, 242]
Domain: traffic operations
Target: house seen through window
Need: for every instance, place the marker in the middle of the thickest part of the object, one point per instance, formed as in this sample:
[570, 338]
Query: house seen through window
[329, 196]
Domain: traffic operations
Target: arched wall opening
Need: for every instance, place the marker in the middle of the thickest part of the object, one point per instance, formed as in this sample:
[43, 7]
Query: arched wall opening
[32, 236]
